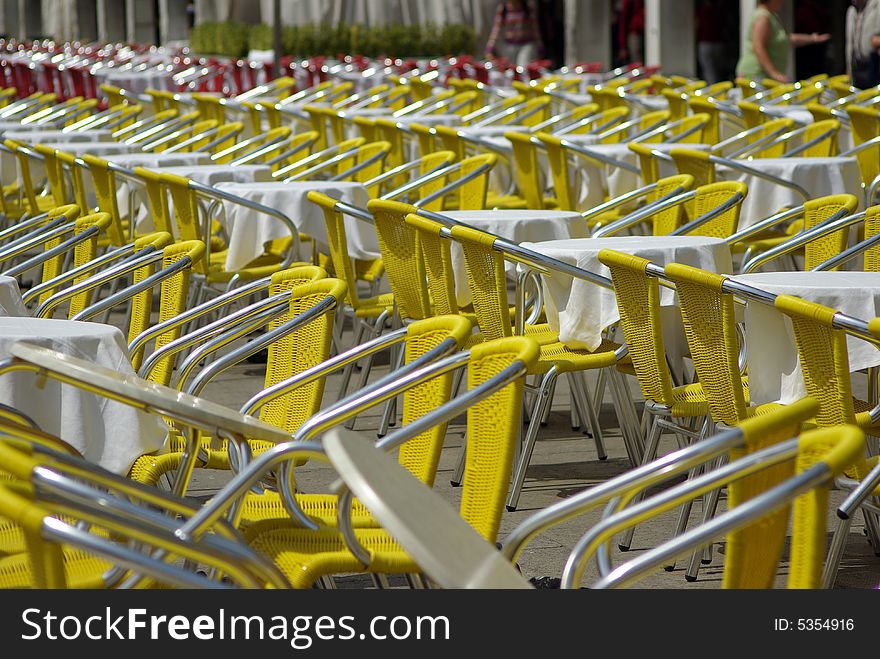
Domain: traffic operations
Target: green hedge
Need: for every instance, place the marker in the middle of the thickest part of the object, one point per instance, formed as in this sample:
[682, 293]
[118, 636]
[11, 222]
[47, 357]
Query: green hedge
[235, 39]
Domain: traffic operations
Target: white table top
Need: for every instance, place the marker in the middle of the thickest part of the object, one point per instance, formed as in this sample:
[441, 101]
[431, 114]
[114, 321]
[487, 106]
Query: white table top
[248, 230]
[37, 136]
[818, 176]
[10, 298]
[494, 129]
[580, 310]
[774, 368]
[149, 160]
[517, 226]
[105, 432]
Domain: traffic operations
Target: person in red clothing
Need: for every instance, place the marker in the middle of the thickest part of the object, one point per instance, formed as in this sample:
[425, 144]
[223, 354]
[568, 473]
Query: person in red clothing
[631, 31]
[516, 33]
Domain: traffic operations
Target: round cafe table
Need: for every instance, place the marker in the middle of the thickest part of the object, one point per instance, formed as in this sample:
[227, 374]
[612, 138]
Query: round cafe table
[105, 432]
[774, 367]
[38, 134]
[580, 310]
[248, 230]
[517, 226]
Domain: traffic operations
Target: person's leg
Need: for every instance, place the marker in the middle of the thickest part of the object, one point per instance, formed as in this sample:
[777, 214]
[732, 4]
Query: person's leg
[635, 45]
[526, 54]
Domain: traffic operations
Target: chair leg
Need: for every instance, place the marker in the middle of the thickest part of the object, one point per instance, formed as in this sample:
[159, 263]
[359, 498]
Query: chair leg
[349, 369]
[704, 555]
[650, 454]
[583, 398]
[545, 418]
[519, 475]
[458, 474]
[625, 418]
[832, 561]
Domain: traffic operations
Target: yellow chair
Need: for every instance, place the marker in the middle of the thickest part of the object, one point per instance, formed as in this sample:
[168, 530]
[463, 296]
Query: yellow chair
[493, 425]
[712, 130]
[527, 171]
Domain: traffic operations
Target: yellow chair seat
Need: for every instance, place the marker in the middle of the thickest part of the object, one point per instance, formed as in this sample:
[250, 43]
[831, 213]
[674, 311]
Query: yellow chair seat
[372, 307]
[566, 359]
[323, 552]
[269, 507]
[81, 570]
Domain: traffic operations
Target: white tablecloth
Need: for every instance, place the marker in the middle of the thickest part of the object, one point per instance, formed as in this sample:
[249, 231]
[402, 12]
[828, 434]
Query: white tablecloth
[10, 298]
[248, 230]
[38, 136]
[160, 160]
[137, 81]
[514, 225]
[9, 163]
[774, 367]
[108, 433]
[818, 176]
[580, 310]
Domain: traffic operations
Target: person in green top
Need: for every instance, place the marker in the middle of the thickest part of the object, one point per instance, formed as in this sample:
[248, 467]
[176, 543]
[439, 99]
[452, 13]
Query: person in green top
[766, 51]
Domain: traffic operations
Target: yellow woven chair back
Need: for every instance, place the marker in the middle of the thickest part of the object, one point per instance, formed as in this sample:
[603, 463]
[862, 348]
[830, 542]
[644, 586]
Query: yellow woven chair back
[157, 198]
[527, 169]
[536, 110]
[379, 153]
[366, 127]
[827, 146]
[669, 219]
[648, 167]
[709, 197]
[608, 98]
[824, 360]
[53, 266]
[210, 107]
[872, 228]
[186, 210]
[27, 183]
[421, 455]
[388, 131]
[719, 90]
[712, 130]
[472, 194]
[104, 180]
[449, 140]
[493, 431]
[782, 125]
[820, 112]
[303, 348]
[693, 128]
[45, 558]
[608, 119]
[68, 162]
[81, 300]
[318, 122]
[198, 130]
[172, 302]
[817, 211]
[865, 125]
[402, 255]
[54, 174]
[694, 163]
[429, 163]
[653, 120]
[486, 281]
[437, 254]
[677, 103]
[709, 317]
[563, 185]
[114, 94]
[161, 100]
[638, 301]
[752, 114]
[425, 139]
[337, 242]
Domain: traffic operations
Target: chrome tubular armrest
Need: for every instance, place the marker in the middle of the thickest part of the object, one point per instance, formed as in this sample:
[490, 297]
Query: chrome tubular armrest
[838, 221]
[598, 535]
[767, 223]
[252, 347]
[739, 166]
[323, 369]
[755, 508]
[685, 229]
[256, 154]
[35, 238]
[210, 306]
[449, 187]
[498, 116]
[351, 171]
[625, 198]
[624, 486]
[322, 166]
[396, 171]
[314, 157]
[806, 145]
[675, 198]
[146, 257]
[158, 132]
[34, 222]
[749, 147]
[212, 193]
[211, 132]
[285, 155]
[600, 157]
[83, 270]
[867, 144]
[356, 212]
[129, 292]
[859, 494]
[238, 146]
[849, 253]
[44, 256]
[263, 311]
